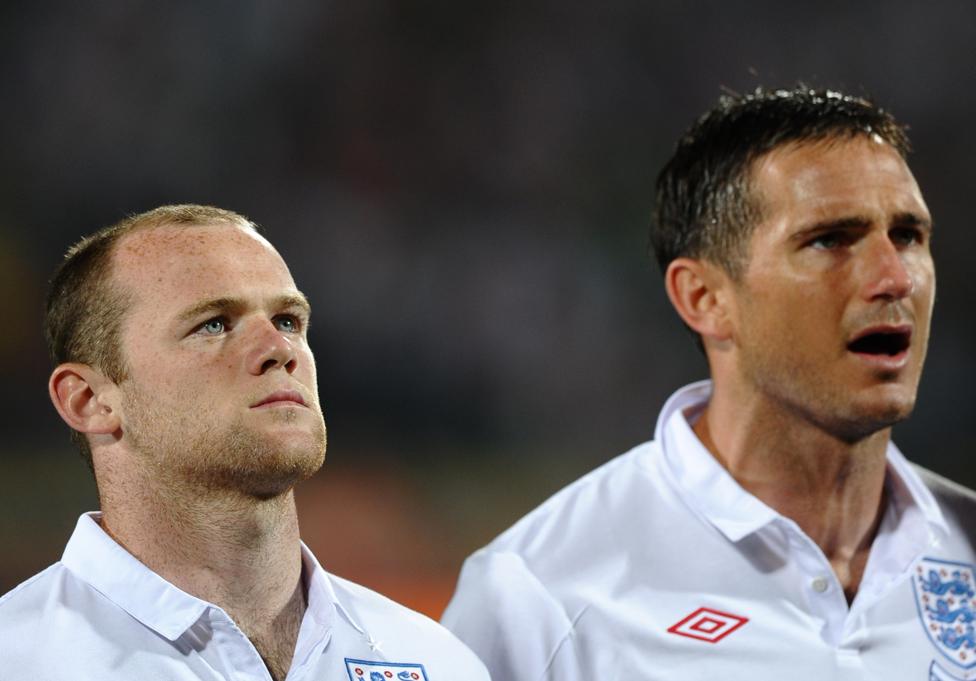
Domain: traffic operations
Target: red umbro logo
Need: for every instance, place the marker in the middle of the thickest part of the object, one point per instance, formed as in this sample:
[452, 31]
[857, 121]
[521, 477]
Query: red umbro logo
[708, 625]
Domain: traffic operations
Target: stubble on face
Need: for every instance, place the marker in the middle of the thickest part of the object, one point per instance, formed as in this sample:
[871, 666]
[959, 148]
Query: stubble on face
[185, 399]
[801, 392]
[189, 450]
[798, 305]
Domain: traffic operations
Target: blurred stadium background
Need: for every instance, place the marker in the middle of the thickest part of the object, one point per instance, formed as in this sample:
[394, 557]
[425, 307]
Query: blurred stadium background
[463, 192]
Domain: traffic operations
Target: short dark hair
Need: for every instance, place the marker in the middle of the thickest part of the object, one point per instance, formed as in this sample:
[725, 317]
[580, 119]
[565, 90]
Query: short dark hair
[85, 308]
[705, 206]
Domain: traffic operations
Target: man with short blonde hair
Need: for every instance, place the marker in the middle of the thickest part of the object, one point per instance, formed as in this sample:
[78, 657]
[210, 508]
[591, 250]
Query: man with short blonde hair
[182, 361]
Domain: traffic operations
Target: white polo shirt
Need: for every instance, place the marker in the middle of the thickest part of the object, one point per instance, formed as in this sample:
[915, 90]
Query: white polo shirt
[658, 565]
[101, 615]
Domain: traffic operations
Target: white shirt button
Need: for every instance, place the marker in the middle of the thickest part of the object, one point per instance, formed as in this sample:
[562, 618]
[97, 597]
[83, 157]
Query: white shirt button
[820, 584]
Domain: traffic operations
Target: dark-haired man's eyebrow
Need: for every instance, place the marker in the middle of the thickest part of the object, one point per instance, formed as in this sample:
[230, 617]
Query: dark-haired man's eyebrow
[909, 219]
[853, 222]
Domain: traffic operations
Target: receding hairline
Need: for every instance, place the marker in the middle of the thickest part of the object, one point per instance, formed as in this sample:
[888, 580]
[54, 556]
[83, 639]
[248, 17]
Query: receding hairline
[115, 277]
[87, 302]
[141, 228]
[181, 214]
[152, 225]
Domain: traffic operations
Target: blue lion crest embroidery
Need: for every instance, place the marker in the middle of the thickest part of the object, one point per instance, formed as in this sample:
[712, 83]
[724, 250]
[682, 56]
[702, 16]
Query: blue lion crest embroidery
[944, 595]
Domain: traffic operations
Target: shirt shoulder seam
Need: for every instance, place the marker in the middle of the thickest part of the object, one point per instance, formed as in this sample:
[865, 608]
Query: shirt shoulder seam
[562, 641]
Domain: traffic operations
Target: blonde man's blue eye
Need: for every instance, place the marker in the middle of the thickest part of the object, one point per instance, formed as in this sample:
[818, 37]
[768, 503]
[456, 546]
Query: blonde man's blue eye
[213, 326]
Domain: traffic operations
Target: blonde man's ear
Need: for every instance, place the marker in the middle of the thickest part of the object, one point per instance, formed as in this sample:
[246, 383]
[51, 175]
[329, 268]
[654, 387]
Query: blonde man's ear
[85, 398]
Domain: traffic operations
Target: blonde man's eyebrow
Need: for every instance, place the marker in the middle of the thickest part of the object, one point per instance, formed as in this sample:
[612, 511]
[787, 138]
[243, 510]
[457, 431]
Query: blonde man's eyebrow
[294, 300]
[229, 305]
[209, 306]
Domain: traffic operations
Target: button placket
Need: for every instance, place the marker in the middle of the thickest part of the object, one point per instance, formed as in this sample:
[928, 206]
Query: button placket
[822, 598]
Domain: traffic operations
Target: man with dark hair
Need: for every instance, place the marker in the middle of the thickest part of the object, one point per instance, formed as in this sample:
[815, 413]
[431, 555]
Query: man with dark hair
[771, 528]
[182, 362]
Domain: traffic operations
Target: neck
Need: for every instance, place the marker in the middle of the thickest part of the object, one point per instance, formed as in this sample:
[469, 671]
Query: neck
[831, 488]
[238, 552]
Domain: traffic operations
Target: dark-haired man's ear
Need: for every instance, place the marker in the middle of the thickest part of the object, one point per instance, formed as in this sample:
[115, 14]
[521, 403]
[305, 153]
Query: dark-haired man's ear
[84, 398]
[698, 290]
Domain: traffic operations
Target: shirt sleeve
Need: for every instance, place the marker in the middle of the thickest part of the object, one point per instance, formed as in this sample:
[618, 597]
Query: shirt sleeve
[507, 617]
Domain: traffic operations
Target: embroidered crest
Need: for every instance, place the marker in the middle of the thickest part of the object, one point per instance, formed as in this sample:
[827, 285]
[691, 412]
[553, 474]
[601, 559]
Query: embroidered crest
[944, 593]
[708, 625]
[364, 670]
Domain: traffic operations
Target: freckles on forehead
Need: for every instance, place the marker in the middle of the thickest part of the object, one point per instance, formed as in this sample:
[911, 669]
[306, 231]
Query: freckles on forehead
[172, 264]
[184, 240]
[161, 249]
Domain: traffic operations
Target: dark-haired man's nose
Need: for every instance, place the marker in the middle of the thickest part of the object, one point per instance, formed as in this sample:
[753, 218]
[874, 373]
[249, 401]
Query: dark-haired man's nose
[888, 277]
